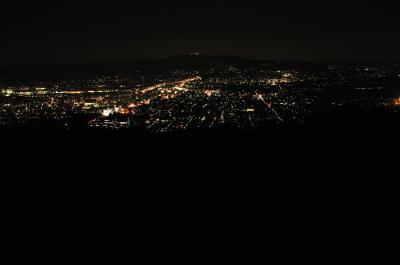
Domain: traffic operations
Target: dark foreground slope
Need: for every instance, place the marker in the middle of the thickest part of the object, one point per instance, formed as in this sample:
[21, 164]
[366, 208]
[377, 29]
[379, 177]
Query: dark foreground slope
[350, 129]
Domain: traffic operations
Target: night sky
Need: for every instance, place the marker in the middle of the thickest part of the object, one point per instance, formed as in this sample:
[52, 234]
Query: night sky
[82, 31]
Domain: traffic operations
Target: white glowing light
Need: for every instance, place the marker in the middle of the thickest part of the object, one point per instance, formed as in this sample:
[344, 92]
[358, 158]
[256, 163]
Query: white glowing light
[106, 112]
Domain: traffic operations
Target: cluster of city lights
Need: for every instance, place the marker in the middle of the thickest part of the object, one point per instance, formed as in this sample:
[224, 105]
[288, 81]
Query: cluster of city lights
[187, 100]
[117, 110]
[167, 90]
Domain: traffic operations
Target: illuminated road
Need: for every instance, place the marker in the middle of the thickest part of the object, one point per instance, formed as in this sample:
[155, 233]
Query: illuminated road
[166, 90]
[178, 85]
[269, 105]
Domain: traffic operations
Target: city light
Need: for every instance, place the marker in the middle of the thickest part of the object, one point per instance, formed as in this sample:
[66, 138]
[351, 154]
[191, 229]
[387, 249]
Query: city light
[8, 92]
[209, 92]
[107, 112]
[185, 100]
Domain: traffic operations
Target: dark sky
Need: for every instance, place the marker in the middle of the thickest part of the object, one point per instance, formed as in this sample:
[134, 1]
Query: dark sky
[82, 31]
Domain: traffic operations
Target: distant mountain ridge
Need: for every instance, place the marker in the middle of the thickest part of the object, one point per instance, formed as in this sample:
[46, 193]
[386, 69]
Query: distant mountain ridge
[188, 62]
[178, 62]
[173, 59]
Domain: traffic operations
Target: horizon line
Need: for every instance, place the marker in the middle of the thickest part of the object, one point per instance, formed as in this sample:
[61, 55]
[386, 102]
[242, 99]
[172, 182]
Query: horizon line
[27, 64]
